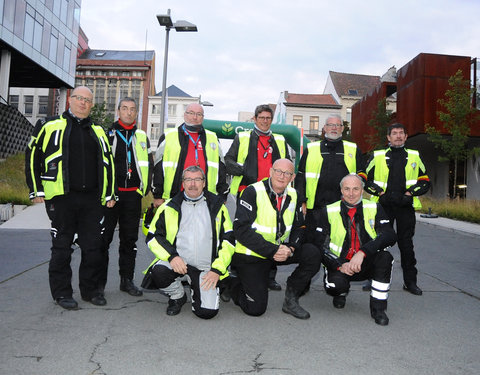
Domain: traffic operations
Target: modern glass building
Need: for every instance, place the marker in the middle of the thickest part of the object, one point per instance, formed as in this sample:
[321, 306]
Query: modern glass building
[38, 42]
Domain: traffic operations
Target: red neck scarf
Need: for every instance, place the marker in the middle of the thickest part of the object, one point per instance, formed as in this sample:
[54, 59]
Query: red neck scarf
[126, 127]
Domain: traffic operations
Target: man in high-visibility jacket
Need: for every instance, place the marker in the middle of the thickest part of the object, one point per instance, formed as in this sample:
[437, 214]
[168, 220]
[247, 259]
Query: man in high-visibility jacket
[192, 239]
[251, 156]
[268, 229]
[396, 177]
[322, 166]
[354, 234]
[69, 166]
[133, 174]
[189, 144]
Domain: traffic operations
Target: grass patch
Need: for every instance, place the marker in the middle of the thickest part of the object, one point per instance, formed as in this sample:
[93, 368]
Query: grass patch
[13, 188]
[458, 209]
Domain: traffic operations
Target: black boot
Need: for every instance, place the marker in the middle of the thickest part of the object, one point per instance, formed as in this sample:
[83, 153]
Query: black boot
[127, 285]
[291, 306]
[175, 305]
[377, 311]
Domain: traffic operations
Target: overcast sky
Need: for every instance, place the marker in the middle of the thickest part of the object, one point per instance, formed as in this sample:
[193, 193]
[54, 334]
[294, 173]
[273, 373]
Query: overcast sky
[248, 51]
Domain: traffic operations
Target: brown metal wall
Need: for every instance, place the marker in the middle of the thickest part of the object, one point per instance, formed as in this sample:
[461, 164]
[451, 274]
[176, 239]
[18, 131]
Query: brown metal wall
[420, 83]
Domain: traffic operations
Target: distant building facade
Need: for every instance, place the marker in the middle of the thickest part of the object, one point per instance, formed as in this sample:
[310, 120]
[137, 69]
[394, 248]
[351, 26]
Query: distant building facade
[112, 75]
[307, 111]
[177, 101]
[347, 89]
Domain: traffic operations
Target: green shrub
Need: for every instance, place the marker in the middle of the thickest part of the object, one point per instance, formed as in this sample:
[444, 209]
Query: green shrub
[13, 188]
[458, 209]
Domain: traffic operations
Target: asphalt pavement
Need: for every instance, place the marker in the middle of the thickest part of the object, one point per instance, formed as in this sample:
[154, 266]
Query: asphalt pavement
[437, 333]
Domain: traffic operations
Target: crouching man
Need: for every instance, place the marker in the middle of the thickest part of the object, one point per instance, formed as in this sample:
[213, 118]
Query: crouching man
[354, 233]
[268, 229]
[191, 236]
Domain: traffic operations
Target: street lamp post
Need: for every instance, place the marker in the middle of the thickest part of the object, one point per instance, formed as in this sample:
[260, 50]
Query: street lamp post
[180, 26]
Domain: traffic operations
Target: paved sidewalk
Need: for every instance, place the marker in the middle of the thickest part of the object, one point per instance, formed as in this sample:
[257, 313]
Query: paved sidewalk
[437, 333]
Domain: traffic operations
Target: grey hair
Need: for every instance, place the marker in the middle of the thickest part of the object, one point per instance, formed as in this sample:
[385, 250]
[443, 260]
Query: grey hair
[352, 175]
[334, 115]
[193, 168]
[127, 99]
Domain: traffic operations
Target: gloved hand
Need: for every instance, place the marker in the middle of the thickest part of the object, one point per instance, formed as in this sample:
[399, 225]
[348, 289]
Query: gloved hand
[407, 200]
[383, 200]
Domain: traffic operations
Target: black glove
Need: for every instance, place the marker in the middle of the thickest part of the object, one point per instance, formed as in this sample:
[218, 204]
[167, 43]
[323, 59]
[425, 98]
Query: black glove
[407, 200]
[383, 200]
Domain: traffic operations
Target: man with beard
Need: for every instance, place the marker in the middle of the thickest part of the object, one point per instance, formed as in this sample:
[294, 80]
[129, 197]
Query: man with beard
[322, 166]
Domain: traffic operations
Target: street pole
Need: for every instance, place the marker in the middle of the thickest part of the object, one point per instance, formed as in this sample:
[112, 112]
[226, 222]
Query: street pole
[164, 83]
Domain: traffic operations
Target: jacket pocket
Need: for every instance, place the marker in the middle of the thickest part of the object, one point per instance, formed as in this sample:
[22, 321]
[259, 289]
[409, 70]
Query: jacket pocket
[53, 164]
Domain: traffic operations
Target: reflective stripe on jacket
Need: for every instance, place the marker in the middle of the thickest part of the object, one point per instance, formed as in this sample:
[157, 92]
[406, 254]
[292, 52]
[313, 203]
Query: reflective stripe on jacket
[266, 219]
[170, 213]
[140, 155]
[244, 142]
[337, 228]
[313, 167]
[412, 167]
[172, 155]
[52, 147]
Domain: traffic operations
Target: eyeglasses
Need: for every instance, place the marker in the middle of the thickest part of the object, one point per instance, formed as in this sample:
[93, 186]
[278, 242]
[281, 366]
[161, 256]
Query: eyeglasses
[264, 118]
[279, 172]
[198, 114]
[82, 99]
[333, 125]
[196, 179]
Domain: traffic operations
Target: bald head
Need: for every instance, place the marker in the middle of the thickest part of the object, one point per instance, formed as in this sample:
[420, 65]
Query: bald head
[81, 102]
[193, 114]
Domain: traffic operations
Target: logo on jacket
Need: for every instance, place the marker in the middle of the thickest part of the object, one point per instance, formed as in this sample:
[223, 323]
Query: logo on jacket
[213, 145]
[414, 165]
[350, 155]
[143, 145]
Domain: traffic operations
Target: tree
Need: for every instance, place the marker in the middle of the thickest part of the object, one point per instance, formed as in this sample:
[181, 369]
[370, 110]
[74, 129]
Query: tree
[100, 116]
[380, 120]
[457, 120]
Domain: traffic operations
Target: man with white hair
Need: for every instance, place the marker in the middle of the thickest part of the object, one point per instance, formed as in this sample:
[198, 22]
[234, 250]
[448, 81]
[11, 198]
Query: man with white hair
[354, 234]
[323, 164]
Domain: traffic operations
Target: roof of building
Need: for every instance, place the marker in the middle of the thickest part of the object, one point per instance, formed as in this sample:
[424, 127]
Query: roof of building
[310, 99]
[174, 91]
[353, 84]
[103, 54]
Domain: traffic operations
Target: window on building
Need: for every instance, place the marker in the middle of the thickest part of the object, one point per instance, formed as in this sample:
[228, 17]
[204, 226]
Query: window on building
[38, 32]
[112, 95]
[353, 92]
[13, 100]
[29, 26]
[63, 11]
[56, 7]
[155, 131]
[172, 110]
[42, 105]
[170, 125]
[349, 115]
[124, 88]
[136, 89]
[52, 53]
[297, 121]
[28, 101]
[66, 58]
[99, 91]
[314, 123]
[156, 108]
